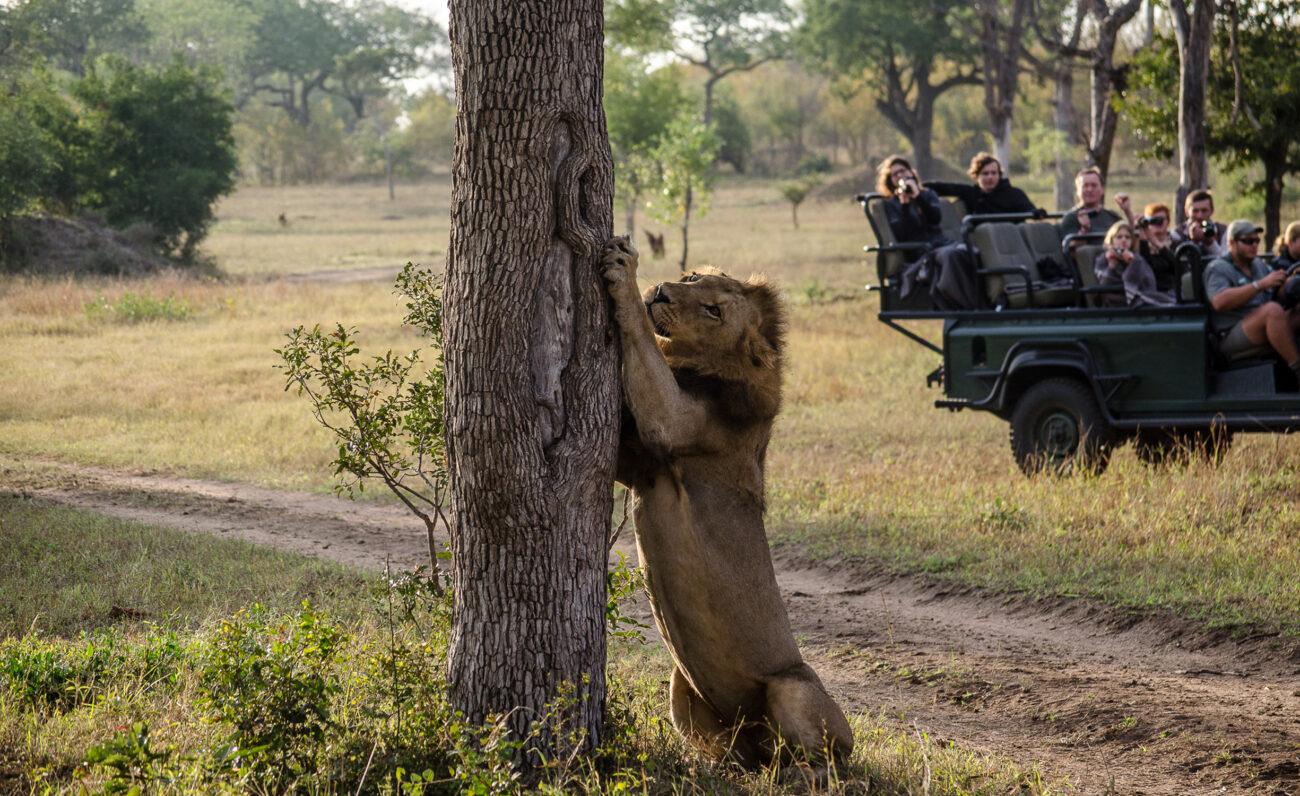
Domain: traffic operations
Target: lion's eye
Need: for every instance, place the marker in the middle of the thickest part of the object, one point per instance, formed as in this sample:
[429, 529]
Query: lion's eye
[713, 311]
[691, 278]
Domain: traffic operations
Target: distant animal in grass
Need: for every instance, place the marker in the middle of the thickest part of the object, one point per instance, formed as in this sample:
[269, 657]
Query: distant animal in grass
[284, 220]
[656, 244]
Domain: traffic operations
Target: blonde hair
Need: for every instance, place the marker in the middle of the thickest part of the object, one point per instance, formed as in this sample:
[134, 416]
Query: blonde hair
[1288, 236]
[1115, 229]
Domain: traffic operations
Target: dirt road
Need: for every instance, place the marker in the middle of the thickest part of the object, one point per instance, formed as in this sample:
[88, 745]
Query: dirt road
[1115, 702]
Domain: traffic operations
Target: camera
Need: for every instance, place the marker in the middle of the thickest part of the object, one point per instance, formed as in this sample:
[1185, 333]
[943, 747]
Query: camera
[1209, 230]
[1146, 221]
[1290, 294]
[907, 185]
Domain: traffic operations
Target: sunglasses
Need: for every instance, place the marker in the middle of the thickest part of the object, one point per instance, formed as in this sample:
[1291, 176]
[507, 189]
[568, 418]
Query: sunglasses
[1251, 241]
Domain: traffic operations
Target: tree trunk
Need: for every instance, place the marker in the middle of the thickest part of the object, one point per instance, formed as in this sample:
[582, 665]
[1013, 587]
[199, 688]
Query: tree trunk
[686, 224]
[1274, 172]
[388, 165]
[532, 383]
[1195, 35]
[1065, 127]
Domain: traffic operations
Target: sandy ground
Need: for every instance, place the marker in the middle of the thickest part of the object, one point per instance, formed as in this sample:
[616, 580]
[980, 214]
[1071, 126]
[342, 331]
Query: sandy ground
[1113, 701]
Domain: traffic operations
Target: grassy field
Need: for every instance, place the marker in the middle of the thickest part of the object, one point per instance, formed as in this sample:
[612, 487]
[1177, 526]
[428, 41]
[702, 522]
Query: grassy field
[155, 652]
[177, 375]
[862, 466]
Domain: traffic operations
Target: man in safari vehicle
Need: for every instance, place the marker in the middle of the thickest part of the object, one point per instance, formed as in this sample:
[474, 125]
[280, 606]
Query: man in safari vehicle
[1240, 287]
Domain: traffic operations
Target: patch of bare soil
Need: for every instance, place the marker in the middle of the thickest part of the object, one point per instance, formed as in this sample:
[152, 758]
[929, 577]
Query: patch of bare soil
[1116, 702]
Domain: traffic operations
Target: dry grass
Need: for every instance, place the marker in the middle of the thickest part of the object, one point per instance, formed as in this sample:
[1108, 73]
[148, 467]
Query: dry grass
[862, 464]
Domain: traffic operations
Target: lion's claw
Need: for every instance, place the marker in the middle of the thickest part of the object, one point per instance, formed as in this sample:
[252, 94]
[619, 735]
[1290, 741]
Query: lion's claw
[618, 260]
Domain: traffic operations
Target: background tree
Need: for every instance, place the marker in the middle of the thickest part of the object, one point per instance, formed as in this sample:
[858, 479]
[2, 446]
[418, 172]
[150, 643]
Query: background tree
[531, 377]
[1248, 122]
[683, 161]
[71, 32]
[1105, 78]
[639, 105]
[1194, 32]
[160, 148]
[1002, 50]
[724, 37]
[907, 55]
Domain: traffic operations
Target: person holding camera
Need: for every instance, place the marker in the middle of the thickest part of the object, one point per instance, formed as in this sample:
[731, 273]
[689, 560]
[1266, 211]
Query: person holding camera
[915, 216]
[913, 210]
[1089, 214]
[1200, 227]
[992, 191]
[1240, 287]
[1155, 242]
[1119, 264]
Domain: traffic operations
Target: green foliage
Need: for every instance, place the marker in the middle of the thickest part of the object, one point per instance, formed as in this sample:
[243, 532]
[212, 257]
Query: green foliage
[134, 765]
[388, 421]
[684, 159]
[733, 131]
[57, 675]
[1257, 127]
[160, 148]
[622, 583]
[135, 307]
[1042, 147]
[272, 680]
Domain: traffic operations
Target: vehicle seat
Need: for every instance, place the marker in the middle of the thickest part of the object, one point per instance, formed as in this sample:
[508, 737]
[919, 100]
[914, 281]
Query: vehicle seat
[1000, 245]
[1084, 258]
[953, 211]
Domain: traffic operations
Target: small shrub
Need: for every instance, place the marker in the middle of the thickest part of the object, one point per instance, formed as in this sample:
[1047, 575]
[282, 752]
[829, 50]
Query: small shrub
[272, 681]
[134, 765]
[134, 308]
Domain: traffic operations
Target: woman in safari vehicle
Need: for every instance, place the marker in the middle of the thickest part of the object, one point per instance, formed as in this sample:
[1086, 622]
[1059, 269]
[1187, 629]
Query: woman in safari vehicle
[992, 191]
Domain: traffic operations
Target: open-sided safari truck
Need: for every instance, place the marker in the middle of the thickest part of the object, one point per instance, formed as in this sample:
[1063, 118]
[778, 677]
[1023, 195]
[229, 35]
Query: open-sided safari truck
[1074, 378]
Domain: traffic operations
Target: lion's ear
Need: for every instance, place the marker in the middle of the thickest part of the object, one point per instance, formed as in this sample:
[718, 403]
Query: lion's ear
[761, 353]
[765, 297]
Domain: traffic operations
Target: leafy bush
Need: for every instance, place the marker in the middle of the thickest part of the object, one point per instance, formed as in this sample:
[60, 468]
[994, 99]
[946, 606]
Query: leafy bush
[133, 308]
[272, 680]
[161, 148]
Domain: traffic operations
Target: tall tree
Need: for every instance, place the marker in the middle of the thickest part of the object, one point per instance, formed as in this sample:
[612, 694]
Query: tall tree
[1002, 51]
[532, 381]
[70, 32]
[1248, 121]
[723, 37]
[909, 55]
[1194, 32]
[1105, 78]
[354, 50]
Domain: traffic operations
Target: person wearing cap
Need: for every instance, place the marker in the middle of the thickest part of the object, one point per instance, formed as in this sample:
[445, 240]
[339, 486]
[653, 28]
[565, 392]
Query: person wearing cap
[1240, 287]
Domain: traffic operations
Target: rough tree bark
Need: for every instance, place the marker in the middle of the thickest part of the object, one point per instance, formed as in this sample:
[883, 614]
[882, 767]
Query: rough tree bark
[1195, 35]
[532, 384]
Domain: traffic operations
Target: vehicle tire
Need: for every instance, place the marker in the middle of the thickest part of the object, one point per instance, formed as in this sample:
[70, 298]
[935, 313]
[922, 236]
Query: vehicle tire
[1057, 428]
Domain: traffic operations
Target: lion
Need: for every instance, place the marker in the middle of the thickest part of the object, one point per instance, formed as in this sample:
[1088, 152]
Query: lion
[701, 381]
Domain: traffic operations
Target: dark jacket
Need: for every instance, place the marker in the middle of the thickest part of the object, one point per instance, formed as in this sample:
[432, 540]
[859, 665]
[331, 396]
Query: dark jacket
[1004, 198]
[918, 221]
[1102, 220]
[1163, 264]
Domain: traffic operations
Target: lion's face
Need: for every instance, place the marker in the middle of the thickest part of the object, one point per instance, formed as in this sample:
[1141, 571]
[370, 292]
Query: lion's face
[712, 323]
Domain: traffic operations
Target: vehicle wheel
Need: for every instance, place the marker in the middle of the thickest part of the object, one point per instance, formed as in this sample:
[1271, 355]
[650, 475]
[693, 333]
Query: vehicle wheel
[1058, 428]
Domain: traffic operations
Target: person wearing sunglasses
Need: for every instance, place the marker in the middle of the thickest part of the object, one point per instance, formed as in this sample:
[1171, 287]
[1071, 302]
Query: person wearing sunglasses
[1155, 242]
[1240, 287]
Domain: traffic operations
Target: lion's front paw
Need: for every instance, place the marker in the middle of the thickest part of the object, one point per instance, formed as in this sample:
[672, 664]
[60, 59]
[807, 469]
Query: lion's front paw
[618, 261]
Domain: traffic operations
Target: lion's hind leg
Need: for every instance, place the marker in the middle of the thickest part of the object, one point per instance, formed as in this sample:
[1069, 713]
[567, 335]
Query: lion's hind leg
[805, 718]
[702, 726]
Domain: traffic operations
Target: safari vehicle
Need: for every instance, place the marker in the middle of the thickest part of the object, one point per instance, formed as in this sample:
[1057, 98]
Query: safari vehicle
[1073, 377]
